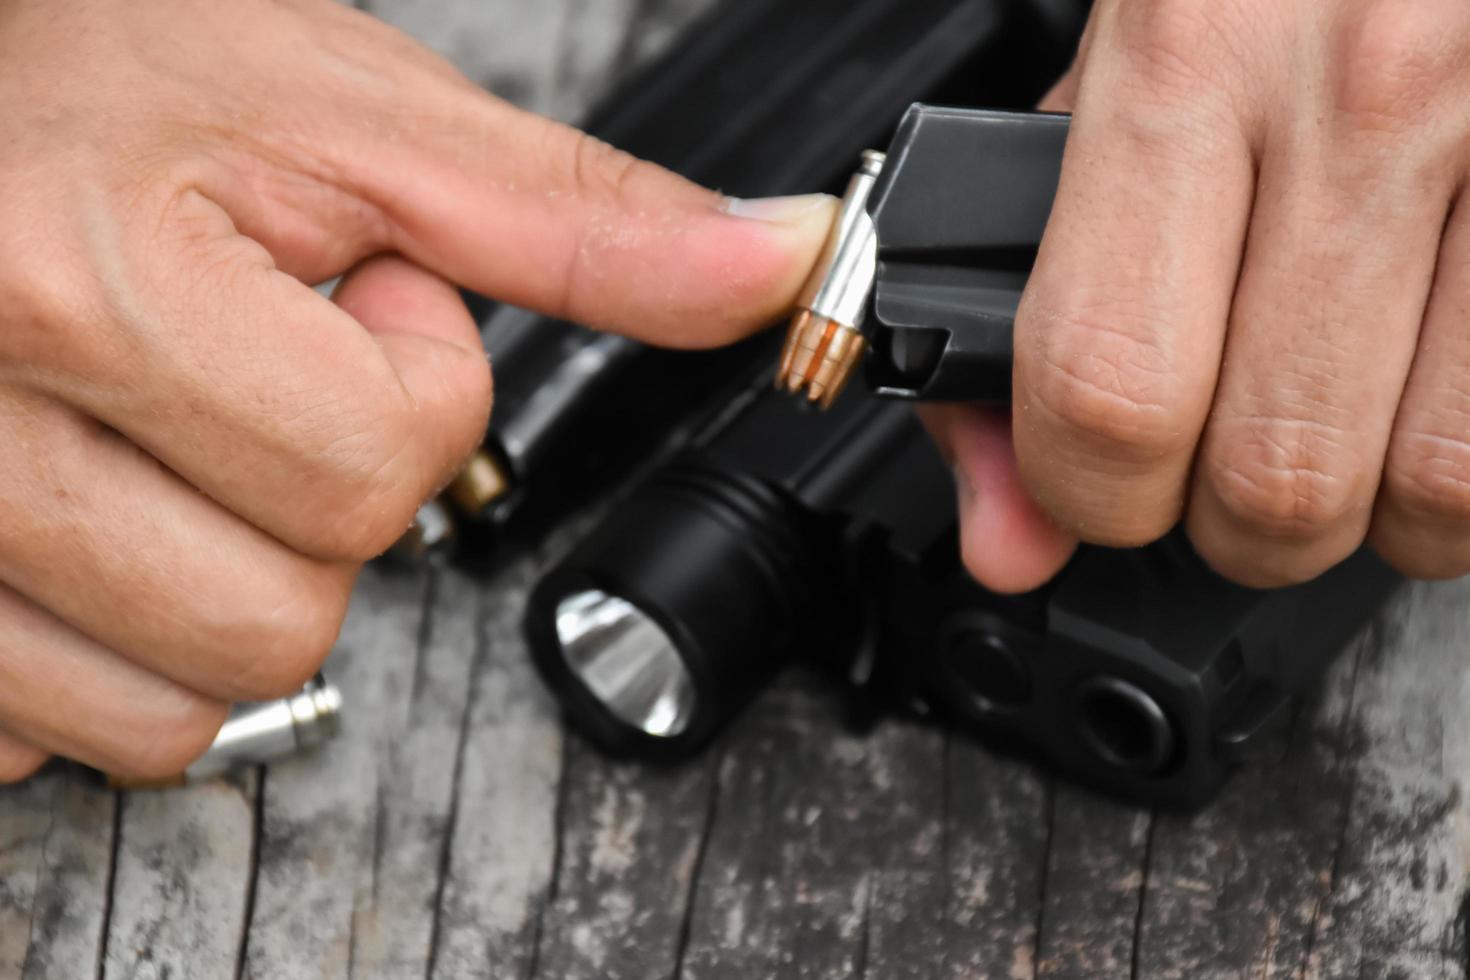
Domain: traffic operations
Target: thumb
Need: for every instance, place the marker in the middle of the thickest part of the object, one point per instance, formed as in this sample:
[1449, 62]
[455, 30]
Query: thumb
[1007, 542]
[540, 215]
[430, 340]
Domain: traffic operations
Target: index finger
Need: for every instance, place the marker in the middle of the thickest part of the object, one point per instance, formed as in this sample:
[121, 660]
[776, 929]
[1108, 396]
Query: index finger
[419, 161]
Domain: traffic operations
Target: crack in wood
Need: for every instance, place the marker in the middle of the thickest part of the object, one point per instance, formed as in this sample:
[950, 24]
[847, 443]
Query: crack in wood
[696, 871]
[481, 656]
[105, 934]
[865, 933]
[1049, 808]
[1341, 754]
[42, 862]
[252, 883]
[424, 637]
[1147, 864]
[352, 946]
[946, 866]
[1463, 925]
[559, 833]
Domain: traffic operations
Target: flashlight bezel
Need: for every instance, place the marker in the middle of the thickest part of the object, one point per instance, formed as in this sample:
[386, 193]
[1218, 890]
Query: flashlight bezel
[586, 711]
[627, 661]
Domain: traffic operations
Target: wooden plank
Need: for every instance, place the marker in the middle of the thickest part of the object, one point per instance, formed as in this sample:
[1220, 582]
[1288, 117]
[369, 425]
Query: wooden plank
[825, 855]
[998, 820]
[182, 882]
[396, 917]
[628, 848]
[324, 822]
[56, 834]
[883, 823]
[503, 913]
[1094, 886]
[320, 813]
[501, 855]
[1399, 876]
[1234, 890]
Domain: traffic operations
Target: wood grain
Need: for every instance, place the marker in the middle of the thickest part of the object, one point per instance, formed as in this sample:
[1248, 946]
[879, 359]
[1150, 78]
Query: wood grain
[56, 859]
[456, 832]
[184, 874]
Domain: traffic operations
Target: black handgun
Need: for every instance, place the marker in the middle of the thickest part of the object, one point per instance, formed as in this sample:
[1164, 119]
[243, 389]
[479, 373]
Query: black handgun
[785, 536]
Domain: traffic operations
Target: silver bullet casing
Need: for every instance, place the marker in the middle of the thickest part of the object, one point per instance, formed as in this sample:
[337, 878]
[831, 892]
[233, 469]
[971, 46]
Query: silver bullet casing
[258, 732]
[824, 342]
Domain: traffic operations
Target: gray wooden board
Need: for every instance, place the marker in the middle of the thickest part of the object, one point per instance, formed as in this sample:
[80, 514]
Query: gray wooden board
[455, 831]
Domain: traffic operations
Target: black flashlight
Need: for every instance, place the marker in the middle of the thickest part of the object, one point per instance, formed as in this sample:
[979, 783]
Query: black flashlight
[716, 572]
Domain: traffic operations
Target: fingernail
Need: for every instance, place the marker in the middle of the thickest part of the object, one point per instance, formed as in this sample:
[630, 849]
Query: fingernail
[793, 210]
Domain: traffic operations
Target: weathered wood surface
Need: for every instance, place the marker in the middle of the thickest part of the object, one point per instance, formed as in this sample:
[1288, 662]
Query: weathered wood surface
[455, 832]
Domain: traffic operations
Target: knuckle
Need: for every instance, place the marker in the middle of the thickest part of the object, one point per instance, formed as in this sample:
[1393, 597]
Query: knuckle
[605, 180]
[1393, 59]
[1284, 478]
[361, 530]
[1108, 386]
[45, 314]
[464, 423]
[1174, 45]
[600, 170]
[364, 490]
[1428, 478]
[281, 643]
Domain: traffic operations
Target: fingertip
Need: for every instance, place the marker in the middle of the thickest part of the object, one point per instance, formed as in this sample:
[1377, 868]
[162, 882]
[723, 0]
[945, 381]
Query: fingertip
[1011, 547]
[426, 333]
[1007, 542]
[18, 760]
[739, 267]
[390, 294]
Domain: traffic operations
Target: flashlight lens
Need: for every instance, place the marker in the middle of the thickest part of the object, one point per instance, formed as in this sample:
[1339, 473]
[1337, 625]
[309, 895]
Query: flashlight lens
[627, 661]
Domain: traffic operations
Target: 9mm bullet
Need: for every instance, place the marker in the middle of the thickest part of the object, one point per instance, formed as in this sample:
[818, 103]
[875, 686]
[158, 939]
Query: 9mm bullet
[824, 342]
[257, 733]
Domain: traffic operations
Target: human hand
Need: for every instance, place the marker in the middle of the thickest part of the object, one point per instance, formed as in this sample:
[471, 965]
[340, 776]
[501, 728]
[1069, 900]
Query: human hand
[201, 449]
[1251, 307]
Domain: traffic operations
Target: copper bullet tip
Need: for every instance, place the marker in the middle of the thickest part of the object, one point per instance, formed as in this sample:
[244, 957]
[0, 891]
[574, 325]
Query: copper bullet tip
[823, 344]
[819, 358]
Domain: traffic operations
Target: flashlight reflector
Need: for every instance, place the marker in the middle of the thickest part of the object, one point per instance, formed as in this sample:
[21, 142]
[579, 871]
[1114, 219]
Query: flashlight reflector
[626, 661]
